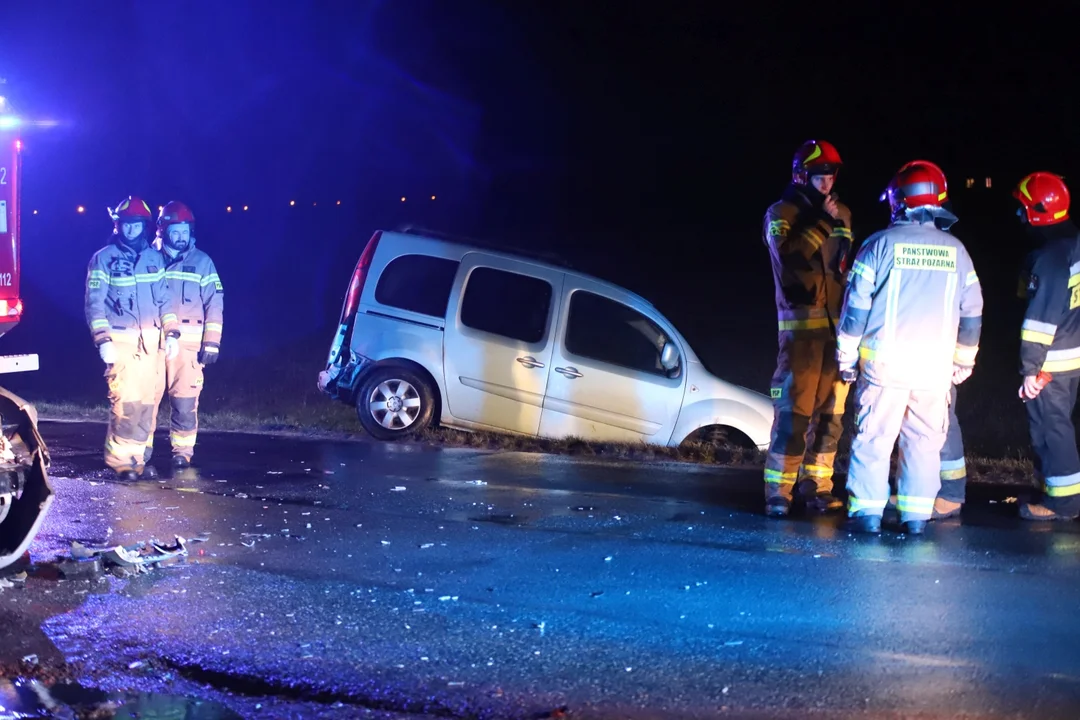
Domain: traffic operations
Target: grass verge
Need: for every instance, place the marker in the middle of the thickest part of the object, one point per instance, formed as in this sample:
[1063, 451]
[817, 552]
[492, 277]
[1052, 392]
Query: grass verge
[339, 422]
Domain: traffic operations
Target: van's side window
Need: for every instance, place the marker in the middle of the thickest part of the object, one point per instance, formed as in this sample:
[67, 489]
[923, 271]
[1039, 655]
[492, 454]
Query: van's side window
[417, 283]
[508, 304]
[602, 329]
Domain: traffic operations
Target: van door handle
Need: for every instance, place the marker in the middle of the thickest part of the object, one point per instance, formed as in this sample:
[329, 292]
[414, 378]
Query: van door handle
[570, 372]
[530, 362]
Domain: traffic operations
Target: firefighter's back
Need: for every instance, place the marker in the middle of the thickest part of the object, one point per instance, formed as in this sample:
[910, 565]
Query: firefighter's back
[911, 333]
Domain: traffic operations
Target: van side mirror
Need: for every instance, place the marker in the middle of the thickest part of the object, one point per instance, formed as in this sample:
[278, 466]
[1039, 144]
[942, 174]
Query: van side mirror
[669, 357]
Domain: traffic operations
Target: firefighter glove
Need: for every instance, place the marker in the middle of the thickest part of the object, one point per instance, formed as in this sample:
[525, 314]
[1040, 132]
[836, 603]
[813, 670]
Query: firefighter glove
[846, 360]
[208, 355]
[960, 374]
[172, 347]
[108, 352]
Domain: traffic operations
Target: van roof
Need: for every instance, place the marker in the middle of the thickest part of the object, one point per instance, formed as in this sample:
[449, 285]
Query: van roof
[550, 260]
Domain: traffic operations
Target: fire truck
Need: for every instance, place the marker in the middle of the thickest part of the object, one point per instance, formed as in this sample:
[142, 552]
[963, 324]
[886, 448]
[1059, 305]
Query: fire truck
[25, 492]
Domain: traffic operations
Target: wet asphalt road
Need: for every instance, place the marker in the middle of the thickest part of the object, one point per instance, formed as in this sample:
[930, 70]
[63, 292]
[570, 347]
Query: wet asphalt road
[352, 579]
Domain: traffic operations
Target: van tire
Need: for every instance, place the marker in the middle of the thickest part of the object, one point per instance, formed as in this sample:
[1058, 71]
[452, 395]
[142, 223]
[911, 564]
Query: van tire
[394, 403]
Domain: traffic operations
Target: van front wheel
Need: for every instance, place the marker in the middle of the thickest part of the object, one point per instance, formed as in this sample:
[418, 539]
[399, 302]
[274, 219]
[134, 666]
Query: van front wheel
[394, 403]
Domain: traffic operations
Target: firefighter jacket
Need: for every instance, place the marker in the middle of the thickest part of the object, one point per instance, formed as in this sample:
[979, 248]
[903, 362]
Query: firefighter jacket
[199, 298]
[1050, 334]
[913, 307]
[127, 300]
[808, 250]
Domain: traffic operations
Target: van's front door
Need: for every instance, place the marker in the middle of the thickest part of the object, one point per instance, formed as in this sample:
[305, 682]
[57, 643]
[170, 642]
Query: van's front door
[607, 376]
[498, 342]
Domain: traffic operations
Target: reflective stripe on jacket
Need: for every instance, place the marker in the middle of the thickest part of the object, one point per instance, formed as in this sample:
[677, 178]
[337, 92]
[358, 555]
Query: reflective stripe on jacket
[1050, 334]
[127, 300]
[913, 307]
[808, 251]
[194, 283]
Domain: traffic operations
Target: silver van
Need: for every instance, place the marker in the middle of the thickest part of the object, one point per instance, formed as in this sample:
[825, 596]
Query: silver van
[437, 329]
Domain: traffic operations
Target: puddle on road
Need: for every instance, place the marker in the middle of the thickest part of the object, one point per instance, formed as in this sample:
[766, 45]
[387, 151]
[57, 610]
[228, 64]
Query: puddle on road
[21, 699]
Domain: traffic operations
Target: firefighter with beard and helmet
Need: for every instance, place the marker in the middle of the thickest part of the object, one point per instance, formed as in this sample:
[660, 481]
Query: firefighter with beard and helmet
[911, 323]
[808, 234]
[1050, 344]
[196, 288]
[133, 322]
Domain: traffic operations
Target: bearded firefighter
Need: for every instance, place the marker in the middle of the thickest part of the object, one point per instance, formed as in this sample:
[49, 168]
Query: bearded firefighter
[808, 235]
[196, 287]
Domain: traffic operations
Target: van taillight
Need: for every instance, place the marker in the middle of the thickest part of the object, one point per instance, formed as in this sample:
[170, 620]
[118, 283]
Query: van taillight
[10, 308]
[359, 276]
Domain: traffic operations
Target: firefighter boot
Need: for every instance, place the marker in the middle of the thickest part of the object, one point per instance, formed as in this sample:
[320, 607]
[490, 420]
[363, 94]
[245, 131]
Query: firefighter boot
[1035, 511]
[814, 500]
[946, 509]
[865, 524]
[127, 475]
[777, 506]
[149, 473]
[181, 461]
[914, 527]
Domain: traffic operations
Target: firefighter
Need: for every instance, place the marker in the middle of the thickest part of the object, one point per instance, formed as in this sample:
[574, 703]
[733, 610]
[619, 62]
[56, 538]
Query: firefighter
[951, 497]
[194, 283]
[1050, 343]
[808, 234]
[911, 321]
[133, 323]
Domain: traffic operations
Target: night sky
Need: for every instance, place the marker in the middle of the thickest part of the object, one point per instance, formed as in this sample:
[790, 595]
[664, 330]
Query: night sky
[643, 141]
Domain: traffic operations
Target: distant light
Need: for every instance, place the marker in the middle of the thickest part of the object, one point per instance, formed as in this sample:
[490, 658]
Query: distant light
[314, 204]
[8, 121]
[35, 212]
[292, 202]
[228, 208]
[338, 202]
[80, 209]
[432, 197]
[988, 183]
[402, 199]
[18, 145]
[245, 208]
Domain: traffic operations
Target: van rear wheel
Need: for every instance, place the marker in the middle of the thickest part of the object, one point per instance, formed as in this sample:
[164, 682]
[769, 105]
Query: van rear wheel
[394, 403]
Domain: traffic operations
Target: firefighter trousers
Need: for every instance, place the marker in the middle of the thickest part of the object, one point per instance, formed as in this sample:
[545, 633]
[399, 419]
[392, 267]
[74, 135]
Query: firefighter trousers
[1053, 438]
[183, 379]
[808, 413]
[919, 418]
[133, 381]
[953, 466]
